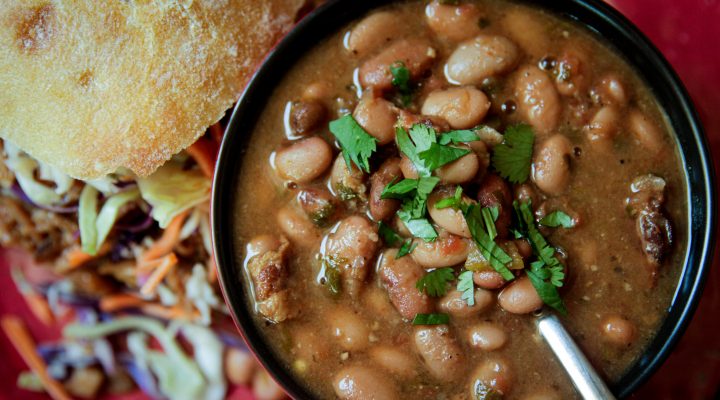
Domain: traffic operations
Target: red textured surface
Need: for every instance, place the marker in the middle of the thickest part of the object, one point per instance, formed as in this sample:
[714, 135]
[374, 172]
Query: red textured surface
[688, 34]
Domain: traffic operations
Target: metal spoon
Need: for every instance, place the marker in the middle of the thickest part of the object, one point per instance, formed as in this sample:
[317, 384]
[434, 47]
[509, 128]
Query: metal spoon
[583, 376]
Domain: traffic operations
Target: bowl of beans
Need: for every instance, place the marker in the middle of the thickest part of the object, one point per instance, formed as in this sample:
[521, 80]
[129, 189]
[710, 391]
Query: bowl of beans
[405, 185]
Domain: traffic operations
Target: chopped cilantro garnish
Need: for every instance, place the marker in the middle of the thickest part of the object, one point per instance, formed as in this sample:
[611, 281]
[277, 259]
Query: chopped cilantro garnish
[357, 145]
[410, 150]
[456, 137]
[419, 227]
[431, 319]
[513, 157]
[492, 252]
[414, 194]
[330, 276]
[556, 219]
[546, 274]
[407, 247]
[467, 287]
[437, 155]
[401, 80]
[399, 190]
[434, 283]
[388, 235]
[454, 202]
[423, 136]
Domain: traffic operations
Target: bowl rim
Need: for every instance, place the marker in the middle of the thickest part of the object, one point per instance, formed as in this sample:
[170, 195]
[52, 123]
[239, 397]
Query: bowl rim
[600, 17]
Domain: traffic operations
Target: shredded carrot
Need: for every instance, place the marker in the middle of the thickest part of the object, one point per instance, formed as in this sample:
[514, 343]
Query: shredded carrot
[120, 302]
[204, 152]
[217, 132]
[24, 344]
[75, 257]
[165, 244]
[159, 274]
[212, 270]
[160, 311]
[39, 307]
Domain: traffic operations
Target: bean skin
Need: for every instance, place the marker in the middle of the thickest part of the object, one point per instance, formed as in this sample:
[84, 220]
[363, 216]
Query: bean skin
[520, 297]
[495, 192]
[462, 107]
[361, 383]
[319, 205]
[645, 131]
[395, 360]
[298, 227]
[453, 304]
[479, 58]
[618, 330]
[489, 279]
[492, 375]
[383, 209]
[611, 91]
[454, 22]
[373, 32]
[446, 250]
[304, 160]
[538, 100]
[347, 183]
[417, 55]
[572, 75]
[350, 330]
[450, 219]
[307, 116]
[551, 165]
[603, 127]
[487, 336]
[377, 116]
[462, 170]
[440, 352]
[399, 277]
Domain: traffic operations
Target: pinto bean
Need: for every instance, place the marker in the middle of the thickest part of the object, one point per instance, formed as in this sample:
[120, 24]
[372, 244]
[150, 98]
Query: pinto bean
[304, 160]
[347, 183]
[571, 76]
[611, 91]
[319, 205]
[351, 248]
[373, 32]
[454, 22]
[318, 91]
[462, 107]
[450, 219]
[462, 170]
[492, 377]
[453, 303]
[306, 116]
[489, 279]
[525, 192]
[538, 100]
[348, 328]
[645, 131]
[396, 361]
[383, 209]
[377, 116]
[603, 127]
[399, 277]
[551, 165]
[406, 120]
[483, 57]
[618, 330]
[528, 32]
[408, 168]
[446, 250]
[487, 336]
[520, 297]
[495, 192]
[440, 352]
[298, 227]
[417, 55]
[361, 383]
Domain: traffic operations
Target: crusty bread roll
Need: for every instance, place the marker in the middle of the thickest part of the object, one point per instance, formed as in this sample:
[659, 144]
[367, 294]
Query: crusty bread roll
[92, 86]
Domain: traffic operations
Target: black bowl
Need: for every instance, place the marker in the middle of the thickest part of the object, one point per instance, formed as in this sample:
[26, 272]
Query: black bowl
[596, 15]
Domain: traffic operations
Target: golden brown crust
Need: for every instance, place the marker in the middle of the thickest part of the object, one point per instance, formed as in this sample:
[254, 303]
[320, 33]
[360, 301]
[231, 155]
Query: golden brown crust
[92, 86]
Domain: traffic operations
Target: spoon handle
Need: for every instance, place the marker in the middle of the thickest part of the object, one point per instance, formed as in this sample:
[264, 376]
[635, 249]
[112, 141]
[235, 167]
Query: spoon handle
[587, 382]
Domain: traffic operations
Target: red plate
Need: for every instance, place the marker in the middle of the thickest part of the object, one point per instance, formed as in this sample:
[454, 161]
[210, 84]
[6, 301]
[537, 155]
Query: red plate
[687, 32]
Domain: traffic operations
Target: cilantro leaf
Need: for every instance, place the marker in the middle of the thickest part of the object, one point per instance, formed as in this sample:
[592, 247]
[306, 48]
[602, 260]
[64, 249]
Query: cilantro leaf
[460, 136]
[431, 319]
[408, 148]
[467, 287]
[556, 219]
[434, 283]
[490, 215]
[423, 136]
[357, 145]
[453, 202]
[513, 157]
[436, 155]
[400, 189]
[546, 274]
[407, 247]
[492, 252]
[419, 227]
[388, 235]
[401, 80]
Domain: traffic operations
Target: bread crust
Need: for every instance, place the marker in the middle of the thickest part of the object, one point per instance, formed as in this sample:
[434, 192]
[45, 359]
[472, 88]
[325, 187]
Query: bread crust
[91, 86]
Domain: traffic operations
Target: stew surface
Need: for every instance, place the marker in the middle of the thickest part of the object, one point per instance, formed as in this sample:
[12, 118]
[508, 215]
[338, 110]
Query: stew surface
[424, 180]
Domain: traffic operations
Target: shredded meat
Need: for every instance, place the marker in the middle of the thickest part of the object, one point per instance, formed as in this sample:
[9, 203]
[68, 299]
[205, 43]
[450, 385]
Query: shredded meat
[269, 272]
[653, 227]
[40, 232]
